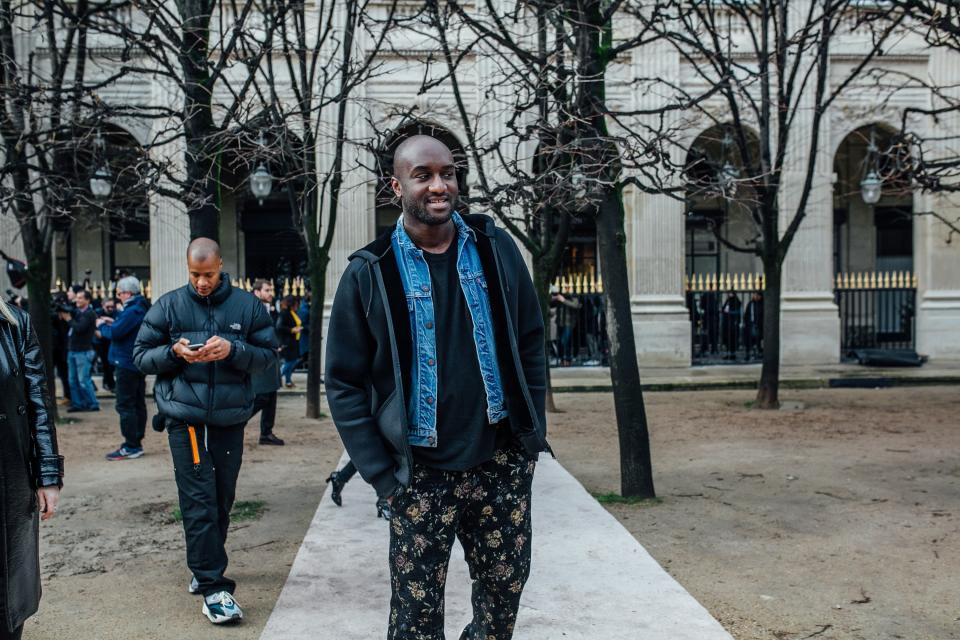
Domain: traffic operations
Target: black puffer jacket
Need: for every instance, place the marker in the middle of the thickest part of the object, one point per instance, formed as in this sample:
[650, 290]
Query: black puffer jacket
[370, 353]
[214, 393]
[28, 459]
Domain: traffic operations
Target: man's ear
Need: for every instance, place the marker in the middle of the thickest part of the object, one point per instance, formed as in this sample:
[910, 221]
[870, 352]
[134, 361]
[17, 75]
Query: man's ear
[395, 185]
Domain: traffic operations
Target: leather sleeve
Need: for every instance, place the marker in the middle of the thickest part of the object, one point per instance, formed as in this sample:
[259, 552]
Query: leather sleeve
[259, 350]
[153, 349]
[347, 376]
[48, 462]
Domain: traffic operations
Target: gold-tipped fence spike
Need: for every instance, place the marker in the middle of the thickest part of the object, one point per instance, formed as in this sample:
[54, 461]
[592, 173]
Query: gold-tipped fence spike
[900, 280]
[599, 284]
[246, 284]
[59, 284]
[286, 288]
[873, 280]
[149, 291]
[915, 281]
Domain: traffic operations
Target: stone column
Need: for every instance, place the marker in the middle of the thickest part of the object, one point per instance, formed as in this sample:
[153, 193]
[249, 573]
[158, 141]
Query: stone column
[655, 227]
[936, 252]
[661, 322]
[809, 318]
[169, 236]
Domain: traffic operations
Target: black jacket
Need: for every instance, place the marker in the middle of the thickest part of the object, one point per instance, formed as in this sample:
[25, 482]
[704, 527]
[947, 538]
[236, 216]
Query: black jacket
[83, 325]
[290, 346]
[28, 459]
[369, 353]
[214, 393]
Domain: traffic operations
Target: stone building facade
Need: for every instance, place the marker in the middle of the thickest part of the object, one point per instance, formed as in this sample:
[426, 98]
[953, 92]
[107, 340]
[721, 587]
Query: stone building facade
[841, 234]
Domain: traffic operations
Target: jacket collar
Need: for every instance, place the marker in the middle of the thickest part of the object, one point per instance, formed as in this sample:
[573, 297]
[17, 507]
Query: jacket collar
[221, 293]
[373, 252]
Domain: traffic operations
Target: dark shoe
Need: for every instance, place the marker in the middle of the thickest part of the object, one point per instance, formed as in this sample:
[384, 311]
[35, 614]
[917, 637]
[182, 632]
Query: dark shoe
[74, 410]
[82, 409]
[336, 486]
[271, 439]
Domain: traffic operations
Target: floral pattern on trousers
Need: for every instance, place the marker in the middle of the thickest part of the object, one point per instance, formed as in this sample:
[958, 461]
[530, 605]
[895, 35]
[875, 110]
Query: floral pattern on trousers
[488, 509]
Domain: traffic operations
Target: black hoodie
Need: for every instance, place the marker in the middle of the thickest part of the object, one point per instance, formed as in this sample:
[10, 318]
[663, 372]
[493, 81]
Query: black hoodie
[369, 353]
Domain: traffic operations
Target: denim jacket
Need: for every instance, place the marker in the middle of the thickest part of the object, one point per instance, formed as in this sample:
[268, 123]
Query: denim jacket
[417, 286]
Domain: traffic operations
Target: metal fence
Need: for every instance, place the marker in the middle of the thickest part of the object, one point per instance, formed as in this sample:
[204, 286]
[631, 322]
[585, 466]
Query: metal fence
[578, 321]
[877, 311]
[726, 317]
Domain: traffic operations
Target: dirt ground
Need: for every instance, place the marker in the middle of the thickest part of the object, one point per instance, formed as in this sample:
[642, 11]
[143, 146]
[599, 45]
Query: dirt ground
[835, 521]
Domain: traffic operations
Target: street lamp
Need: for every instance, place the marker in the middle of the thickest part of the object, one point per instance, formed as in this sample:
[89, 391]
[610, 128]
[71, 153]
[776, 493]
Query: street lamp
[101, 182]
[871, 187]
[261, 180]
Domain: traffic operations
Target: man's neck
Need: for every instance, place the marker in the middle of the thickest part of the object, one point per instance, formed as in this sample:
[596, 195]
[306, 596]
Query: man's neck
[430, 238]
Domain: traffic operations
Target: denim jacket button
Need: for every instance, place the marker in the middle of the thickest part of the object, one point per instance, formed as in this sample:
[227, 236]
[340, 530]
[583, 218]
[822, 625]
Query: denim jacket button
[428, 325]
[430, 400]
[431, 439]
[431, 362]
[424, 287]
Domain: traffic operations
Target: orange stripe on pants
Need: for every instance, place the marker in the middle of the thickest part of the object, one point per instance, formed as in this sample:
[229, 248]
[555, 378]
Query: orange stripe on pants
[193, 444]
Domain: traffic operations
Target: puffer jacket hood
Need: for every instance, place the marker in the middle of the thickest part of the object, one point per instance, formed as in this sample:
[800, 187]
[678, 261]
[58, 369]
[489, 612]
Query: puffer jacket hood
[214, 393]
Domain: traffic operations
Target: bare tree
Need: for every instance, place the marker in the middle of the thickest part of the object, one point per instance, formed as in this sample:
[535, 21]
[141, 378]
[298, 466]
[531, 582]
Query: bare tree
[770, 61]
[49, 124]
[322, 52]
[551, 62]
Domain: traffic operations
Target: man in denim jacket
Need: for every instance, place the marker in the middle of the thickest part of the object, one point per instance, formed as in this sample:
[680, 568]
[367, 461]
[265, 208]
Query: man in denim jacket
[436, 381]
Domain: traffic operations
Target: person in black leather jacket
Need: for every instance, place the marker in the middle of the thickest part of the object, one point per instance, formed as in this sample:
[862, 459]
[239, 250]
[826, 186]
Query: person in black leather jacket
[31, 467]
[203, 341]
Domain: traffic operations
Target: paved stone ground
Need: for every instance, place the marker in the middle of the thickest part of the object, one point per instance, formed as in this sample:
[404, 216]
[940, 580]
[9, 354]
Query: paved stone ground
[591, 579]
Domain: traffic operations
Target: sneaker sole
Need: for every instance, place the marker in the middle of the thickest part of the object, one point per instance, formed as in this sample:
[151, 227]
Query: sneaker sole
[132, 456]
[237, 617]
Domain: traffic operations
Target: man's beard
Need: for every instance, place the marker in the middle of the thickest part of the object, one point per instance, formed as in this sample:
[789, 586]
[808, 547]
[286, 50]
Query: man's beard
[419, 213]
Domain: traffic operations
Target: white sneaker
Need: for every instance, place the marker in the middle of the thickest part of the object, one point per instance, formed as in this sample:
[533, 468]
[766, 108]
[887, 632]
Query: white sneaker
[220, 607]
[194, 586]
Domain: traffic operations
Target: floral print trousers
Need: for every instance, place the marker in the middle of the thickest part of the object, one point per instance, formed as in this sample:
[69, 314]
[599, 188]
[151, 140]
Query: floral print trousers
[488, 509]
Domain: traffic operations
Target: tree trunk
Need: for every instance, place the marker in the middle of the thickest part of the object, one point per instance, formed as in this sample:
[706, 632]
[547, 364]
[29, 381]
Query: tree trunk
[39, 273]
[768, 392]
[541, 284]
[317, 266]
[636, 473]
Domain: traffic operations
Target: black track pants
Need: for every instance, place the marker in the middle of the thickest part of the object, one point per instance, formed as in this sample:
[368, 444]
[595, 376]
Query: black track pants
[206, 466]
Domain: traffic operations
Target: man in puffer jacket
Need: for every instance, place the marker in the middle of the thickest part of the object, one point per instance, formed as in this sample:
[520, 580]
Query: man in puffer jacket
[203, 341]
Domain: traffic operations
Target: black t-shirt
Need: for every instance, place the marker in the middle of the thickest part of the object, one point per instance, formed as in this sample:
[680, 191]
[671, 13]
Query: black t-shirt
[465, 438]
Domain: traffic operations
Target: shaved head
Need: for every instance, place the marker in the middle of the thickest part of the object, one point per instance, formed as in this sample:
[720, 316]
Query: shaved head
[202, 249]
[204, 264]
[425, 181]
[410, 150]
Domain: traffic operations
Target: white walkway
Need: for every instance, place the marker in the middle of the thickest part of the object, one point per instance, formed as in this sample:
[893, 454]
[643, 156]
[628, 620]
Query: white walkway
[590, 580]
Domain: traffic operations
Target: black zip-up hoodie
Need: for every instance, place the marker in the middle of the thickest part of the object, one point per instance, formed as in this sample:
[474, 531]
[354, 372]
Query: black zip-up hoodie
[213, 393]
[370, 353]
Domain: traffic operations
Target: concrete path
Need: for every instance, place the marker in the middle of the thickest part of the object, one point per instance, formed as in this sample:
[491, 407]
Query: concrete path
[590, 577]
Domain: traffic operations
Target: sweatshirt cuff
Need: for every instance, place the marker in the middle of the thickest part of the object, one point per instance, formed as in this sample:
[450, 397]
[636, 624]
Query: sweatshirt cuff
[385, 483]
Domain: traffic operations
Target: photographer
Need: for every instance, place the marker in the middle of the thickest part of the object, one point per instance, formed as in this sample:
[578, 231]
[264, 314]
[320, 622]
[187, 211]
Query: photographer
[80, 354]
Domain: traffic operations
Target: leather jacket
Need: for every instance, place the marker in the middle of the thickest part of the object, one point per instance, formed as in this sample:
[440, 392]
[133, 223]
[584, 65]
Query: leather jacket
[28, 459]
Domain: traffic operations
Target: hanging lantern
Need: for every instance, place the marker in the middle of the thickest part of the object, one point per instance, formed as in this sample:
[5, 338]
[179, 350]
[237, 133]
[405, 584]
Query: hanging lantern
[261, 182]
[871, 188]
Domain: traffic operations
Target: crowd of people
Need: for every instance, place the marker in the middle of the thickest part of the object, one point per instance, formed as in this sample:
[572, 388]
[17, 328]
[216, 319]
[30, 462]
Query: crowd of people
[435, 379]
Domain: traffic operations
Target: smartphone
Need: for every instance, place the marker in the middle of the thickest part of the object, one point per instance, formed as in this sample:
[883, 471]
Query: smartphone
[195, 346]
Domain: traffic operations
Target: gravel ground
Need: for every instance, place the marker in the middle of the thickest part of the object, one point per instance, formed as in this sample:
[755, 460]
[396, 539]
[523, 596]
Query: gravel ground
[836, 520]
